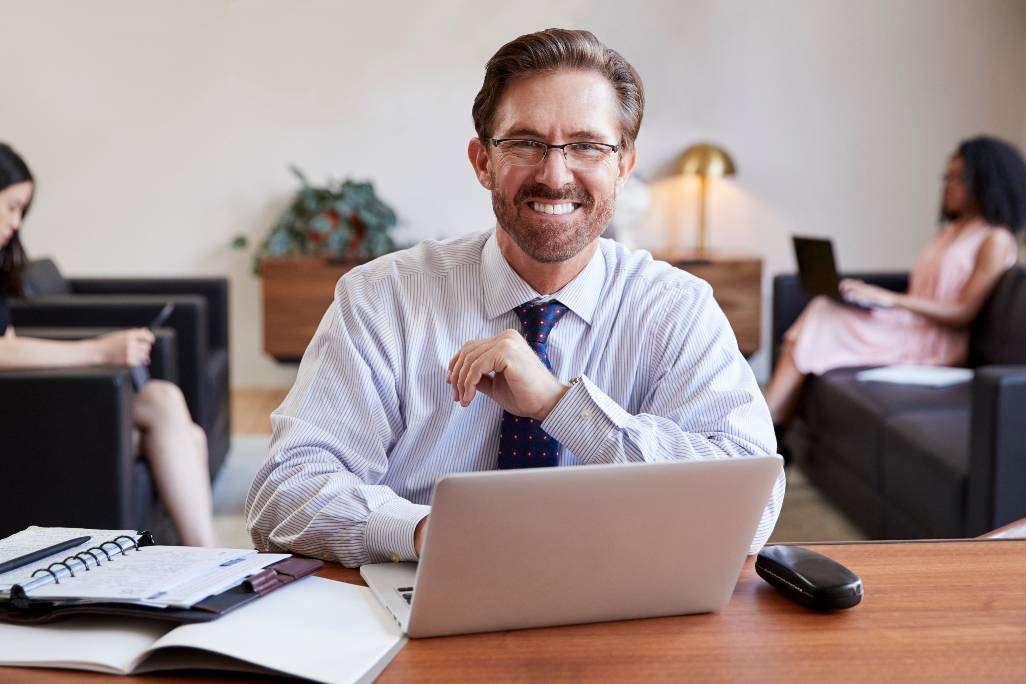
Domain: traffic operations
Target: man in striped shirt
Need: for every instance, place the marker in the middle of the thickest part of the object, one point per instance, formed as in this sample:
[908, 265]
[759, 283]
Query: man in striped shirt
[421, 366]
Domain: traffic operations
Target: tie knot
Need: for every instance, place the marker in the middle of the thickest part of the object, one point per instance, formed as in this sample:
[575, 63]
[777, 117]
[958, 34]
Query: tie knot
[538, 320]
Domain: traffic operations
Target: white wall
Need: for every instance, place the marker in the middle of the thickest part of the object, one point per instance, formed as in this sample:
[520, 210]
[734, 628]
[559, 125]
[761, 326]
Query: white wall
[160, 130]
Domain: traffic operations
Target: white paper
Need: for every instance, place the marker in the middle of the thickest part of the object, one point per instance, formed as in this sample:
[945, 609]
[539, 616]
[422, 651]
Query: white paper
[929, 376]
[103, 644]
[186, 594]
[140, 575]
[315, 628]
[34, 538]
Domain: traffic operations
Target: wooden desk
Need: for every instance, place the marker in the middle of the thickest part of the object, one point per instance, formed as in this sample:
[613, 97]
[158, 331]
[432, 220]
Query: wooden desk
[933, 611]
[736, 280]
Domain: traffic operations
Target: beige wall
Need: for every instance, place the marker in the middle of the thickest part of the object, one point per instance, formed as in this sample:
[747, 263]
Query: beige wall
[160, 130]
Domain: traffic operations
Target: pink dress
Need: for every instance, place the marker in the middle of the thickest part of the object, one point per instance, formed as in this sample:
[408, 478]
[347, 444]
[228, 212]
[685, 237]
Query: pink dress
[831, 335]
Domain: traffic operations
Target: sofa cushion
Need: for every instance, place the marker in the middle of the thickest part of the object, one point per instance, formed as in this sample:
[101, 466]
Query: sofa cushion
[926, 466]
[41, 277]
[852, 414]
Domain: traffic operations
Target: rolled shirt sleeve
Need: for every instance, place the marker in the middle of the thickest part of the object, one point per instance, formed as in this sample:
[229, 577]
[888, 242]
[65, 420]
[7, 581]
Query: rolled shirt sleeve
[318, 491]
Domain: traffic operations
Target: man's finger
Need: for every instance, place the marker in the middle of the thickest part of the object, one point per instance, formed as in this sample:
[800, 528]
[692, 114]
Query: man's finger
[475, 363]
[478, 370]
[458, 358]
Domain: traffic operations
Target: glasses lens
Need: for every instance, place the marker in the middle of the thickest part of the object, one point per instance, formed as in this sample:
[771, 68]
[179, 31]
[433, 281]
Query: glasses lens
[584, 155]
[522, 152]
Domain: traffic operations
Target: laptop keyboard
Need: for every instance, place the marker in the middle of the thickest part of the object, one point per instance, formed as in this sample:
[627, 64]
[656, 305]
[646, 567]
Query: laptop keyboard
[406, 593]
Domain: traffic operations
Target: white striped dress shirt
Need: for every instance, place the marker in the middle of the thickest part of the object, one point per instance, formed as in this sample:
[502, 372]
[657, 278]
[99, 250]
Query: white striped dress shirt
[370, 423]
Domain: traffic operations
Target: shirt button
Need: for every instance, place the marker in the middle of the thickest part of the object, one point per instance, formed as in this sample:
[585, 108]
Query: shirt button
[394, 557]
[586, 413]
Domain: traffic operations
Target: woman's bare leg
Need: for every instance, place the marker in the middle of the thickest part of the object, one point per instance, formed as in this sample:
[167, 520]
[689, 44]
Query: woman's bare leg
[176, 450]
[784, 388]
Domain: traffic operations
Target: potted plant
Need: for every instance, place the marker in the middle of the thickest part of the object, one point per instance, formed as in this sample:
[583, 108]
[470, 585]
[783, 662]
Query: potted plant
[325, 231]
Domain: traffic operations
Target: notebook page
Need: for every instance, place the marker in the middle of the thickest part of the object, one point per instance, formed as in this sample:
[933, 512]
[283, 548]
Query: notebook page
[85, 643]
[315, 628]
[138, 575]
[34, 538]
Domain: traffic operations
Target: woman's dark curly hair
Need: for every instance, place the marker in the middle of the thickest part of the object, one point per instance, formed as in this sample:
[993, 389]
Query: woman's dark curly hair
[995, 175]
[13, 169]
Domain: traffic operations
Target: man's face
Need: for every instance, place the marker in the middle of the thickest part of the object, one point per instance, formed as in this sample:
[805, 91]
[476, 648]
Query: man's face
[550, 211]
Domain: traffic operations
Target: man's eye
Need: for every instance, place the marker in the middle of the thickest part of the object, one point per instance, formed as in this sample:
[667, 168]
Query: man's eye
[524, 144]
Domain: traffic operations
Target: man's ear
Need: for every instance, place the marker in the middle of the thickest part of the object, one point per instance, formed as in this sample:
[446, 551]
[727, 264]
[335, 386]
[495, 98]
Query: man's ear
[482, 164]
[628, 158]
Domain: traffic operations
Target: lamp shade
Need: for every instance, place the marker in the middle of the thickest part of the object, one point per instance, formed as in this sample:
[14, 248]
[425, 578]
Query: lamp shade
[706, 160]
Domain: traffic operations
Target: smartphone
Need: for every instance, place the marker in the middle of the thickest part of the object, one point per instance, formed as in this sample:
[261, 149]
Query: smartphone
[161, 317]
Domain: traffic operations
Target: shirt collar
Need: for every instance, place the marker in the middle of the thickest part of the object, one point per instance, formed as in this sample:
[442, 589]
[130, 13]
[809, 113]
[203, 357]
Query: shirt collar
[504, 290]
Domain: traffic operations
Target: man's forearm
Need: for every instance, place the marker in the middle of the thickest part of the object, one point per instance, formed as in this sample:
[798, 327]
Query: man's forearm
[309, 505]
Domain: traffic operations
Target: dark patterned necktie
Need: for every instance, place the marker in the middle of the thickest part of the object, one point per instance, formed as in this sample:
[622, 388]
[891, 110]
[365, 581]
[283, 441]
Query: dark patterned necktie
[522, 442]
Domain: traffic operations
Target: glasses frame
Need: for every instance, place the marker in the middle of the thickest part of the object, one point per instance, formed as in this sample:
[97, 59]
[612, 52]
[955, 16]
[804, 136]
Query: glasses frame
[614, 149]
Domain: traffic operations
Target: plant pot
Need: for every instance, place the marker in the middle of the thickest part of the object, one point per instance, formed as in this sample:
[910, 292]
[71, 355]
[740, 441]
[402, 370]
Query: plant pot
[296, 293]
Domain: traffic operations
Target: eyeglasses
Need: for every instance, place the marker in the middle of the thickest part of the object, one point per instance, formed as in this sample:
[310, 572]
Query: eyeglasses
[577, 155]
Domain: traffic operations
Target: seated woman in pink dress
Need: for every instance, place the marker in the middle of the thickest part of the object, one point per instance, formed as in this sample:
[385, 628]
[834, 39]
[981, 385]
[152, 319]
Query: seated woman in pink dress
[984, 206]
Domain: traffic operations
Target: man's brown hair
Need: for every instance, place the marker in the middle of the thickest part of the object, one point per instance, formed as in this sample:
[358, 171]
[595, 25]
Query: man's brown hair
[554, 50]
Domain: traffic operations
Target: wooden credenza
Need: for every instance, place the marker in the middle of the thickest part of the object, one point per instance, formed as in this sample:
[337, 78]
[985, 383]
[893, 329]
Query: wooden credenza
[736, 280]
[296, 293]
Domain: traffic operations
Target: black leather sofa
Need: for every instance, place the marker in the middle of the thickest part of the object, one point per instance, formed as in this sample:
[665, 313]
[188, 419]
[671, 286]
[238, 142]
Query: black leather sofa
[66, 438]
[200, 322]
[907, 461]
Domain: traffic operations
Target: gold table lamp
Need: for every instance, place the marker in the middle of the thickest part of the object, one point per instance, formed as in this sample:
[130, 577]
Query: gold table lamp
[706, 161]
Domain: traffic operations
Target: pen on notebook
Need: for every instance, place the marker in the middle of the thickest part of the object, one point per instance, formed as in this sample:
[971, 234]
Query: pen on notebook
[28, 558]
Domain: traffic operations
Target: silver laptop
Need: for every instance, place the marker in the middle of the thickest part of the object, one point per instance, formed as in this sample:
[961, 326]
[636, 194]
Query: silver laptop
[556, 546]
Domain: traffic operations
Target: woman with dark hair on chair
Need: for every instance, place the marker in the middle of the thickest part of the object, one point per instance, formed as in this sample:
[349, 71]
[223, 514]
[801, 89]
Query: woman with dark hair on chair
[174, 446]
[983, 207]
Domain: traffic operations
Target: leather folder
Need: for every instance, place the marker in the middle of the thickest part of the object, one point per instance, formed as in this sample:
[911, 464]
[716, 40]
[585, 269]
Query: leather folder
[269, 579]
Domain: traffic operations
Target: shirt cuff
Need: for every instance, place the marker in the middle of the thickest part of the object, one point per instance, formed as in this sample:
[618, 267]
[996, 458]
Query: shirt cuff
[390, 529]
[584, 420]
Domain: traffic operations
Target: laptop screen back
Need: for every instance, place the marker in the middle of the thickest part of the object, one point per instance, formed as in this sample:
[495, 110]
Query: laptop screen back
[817, 272]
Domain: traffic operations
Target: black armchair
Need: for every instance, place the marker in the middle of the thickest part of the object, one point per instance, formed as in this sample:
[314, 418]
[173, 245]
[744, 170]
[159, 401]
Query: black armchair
[67, 445]
[200, 322]
[918, 462]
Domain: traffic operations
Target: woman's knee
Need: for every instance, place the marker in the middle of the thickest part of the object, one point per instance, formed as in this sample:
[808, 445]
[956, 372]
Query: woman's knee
[162, 399]
[199, 436]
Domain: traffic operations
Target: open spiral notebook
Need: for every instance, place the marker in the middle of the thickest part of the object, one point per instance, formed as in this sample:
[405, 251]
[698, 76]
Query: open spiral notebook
[126, 572]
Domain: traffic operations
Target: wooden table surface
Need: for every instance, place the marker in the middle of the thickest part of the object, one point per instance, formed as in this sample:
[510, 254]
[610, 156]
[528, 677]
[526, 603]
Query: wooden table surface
[933, 611]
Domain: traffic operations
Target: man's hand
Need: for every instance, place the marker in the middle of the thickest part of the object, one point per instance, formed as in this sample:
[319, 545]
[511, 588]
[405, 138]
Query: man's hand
[418, 535]
[506, 369]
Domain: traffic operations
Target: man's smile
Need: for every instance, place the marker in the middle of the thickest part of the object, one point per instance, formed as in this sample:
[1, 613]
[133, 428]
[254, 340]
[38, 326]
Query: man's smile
[551, 208]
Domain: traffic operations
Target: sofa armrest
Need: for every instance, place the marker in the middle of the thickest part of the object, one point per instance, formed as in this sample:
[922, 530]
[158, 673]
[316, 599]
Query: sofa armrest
[214, 290]
[997, 448]
[67, 445]
[163, 355]
[789, 299]
[188, 320]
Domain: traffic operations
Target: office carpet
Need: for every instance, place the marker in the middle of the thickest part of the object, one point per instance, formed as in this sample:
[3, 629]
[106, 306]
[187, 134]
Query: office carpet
[806, 515]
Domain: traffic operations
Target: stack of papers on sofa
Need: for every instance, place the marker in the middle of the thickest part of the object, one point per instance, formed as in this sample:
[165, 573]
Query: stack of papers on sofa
[928, 376]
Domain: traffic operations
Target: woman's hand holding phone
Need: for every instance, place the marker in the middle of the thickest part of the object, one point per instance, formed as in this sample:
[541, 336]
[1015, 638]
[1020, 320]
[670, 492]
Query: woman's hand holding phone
[126, 347]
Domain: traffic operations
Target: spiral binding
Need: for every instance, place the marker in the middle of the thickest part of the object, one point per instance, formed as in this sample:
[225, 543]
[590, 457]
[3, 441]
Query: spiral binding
[43, 576]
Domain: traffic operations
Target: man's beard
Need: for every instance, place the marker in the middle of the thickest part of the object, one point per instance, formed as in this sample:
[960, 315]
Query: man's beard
[549, 241]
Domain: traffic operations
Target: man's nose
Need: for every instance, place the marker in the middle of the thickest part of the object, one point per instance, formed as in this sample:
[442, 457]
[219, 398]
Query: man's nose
[553, 172]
